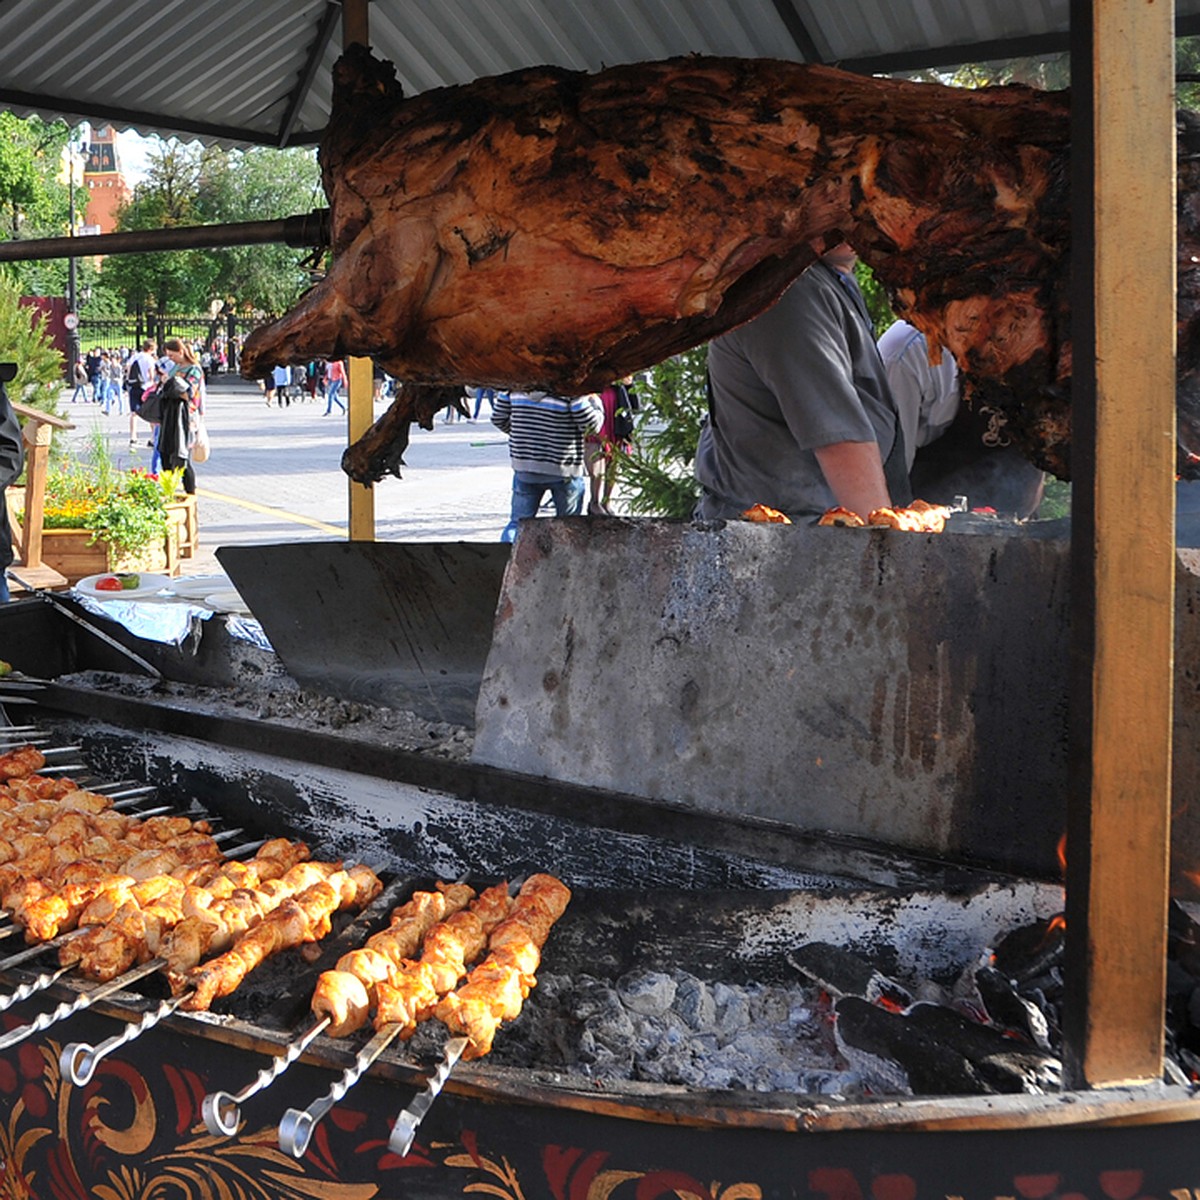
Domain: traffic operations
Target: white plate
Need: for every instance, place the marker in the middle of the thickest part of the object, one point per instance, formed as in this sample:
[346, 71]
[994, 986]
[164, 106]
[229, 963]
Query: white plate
[228, 601]
[196, 587]
[149, 585]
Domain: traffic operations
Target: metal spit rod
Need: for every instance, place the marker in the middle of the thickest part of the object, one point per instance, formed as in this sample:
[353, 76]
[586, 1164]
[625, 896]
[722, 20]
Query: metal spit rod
[409, 1121]
[39, 984]
[222, 1110]
[78, 1060]
[14, 960]
[296, 1127]
[82, 1001]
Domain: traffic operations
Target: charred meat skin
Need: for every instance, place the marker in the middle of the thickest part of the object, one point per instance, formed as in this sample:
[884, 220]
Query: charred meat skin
[558, 230]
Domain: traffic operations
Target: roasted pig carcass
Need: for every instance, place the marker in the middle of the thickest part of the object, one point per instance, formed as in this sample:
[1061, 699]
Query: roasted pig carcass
[558, 230]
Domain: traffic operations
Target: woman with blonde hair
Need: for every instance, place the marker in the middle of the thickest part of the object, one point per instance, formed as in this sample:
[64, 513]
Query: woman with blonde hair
[183, 405]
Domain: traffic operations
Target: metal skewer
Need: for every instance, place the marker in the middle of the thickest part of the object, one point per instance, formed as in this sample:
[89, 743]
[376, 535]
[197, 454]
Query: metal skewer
[296, 1127]
[125, 790]
[78, 1060]
[82, 1001]
[222, 1110]
[39, 984]
[405, 1129]
[29, 952]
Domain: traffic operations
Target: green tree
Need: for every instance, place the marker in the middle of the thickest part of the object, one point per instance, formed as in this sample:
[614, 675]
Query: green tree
[263, 185]
[192, 185]
[169, 197]
[23, 340]
[34, 196]
[657, 476]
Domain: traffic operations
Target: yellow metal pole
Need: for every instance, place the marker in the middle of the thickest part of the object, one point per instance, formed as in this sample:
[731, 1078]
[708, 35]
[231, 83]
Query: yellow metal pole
[360, 412]
[1123, 543]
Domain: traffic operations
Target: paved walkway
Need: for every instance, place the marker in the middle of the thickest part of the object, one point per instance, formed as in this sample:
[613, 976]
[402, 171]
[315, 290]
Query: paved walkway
[275, 474]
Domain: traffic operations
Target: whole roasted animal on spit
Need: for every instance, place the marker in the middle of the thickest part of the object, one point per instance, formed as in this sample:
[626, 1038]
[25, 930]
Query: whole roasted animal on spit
[559, 230]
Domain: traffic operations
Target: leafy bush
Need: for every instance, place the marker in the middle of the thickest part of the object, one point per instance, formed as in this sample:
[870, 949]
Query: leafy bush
[674, 405]
[126, 509]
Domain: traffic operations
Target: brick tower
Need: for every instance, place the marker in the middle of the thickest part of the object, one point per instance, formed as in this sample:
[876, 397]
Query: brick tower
[107, 189]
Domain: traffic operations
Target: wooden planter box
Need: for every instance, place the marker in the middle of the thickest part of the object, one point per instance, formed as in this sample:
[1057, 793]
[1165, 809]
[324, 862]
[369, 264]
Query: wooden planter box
[68, 552]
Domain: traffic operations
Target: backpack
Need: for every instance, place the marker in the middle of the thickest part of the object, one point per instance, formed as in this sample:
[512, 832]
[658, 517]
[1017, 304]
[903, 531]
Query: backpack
[627, 405]
[135, 371]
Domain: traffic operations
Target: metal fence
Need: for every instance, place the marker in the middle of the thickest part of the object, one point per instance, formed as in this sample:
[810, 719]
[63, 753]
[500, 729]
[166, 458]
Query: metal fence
[113, 333]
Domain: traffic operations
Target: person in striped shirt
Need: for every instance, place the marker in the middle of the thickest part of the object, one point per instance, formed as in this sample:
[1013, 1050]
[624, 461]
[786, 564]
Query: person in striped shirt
[545, 445]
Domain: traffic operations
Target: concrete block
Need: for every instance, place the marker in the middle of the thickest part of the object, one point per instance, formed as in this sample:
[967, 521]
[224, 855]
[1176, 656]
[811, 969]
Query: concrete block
[906, 688]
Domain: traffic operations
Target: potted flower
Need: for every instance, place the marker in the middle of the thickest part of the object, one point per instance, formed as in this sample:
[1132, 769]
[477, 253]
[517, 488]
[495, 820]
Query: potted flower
[98, 518]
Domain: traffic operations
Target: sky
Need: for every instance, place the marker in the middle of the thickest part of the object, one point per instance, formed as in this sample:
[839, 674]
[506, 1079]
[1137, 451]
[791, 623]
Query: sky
[133, 151]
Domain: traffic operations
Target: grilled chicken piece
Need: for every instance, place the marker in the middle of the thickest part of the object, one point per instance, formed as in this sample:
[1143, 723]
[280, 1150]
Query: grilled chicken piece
[345, 995]
[345, 999]
[19, 763]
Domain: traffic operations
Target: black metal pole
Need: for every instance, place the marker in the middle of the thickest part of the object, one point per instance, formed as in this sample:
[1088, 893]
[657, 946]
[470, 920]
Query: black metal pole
[309, 229]
[72, 306]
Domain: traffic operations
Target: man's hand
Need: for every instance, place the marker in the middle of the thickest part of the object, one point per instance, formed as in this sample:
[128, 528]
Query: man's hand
[854, 472]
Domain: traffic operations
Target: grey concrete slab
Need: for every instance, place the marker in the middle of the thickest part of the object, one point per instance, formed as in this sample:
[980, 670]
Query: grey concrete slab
[906, 688]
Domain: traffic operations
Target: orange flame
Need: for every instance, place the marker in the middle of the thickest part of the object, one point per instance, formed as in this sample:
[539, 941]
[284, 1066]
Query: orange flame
[1062, 853]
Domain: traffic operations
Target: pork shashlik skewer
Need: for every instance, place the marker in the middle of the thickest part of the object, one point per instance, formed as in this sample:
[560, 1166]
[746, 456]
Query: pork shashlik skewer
[407, 927]
[496, 989]
[346, 995]
[447, 947]
[306, 918]
[129, 893]
[495, 992]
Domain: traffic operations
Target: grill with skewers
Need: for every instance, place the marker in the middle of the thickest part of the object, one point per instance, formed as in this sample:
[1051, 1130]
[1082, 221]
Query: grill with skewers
[680, 952]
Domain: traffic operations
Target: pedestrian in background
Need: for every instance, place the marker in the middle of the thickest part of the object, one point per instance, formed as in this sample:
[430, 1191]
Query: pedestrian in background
[12, 460]
[181, 419]
[335, 376]
[114, 383]
[79, 375]
[545, 447]
[141, 374]
[614, 438]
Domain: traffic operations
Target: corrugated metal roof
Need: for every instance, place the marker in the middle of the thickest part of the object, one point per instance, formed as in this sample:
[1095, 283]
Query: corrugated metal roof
[258, 71]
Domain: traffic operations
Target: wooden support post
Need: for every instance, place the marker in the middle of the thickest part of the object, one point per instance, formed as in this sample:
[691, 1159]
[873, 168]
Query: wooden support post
[360, 409]
[355, 23]
[359, 416]
[37, 434]
[1123, 545]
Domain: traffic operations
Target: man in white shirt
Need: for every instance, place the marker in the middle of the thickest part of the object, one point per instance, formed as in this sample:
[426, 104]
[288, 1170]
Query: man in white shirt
[953, 450]
[141, 373]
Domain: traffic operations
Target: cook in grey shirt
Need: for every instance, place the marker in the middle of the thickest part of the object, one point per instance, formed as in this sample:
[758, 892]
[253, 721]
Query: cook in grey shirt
[802, 417]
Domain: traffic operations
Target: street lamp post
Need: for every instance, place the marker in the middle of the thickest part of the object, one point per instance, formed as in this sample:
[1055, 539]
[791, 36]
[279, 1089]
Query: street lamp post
[72, 300]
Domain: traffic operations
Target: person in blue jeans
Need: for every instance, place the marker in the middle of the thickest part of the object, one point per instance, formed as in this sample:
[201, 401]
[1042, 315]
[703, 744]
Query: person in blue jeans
[545, 446]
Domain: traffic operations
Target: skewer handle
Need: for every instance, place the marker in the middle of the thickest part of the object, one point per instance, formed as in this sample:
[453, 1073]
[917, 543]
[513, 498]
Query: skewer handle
[296, 1128]
[222, 1110]
[78, 1060]
[40, 984]
[409, 1121]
